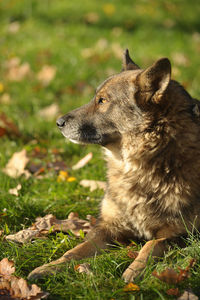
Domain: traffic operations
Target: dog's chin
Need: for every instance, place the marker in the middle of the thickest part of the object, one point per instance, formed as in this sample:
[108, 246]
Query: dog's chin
[83, 141]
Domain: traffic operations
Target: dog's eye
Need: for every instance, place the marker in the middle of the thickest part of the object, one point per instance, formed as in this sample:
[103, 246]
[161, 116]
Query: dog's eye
[102, 100]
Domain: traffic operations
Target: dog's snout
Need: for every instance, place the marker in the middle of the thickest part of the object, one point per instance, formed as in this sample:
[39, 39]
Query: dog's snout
[61, 122]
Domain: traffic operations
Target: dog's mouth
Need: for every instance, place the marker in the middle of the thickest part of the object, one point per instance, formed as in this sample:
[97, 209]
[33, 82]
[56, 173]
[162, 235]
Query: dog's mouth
[81, 138]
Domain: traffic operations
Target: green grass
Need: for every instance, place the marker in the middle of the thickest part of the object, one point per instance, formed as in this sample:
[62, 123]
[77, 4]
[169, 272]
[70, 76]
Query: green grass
[57, 32]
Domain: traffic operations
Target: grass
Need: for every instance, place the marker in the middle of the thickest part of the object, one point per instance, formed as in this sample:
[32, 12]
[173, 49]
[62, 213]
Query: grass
[84, 41]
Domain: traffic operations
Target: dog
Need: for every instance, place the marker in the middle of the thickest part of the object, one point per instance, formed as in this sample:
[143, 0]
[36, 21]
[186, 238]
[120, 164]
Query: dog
[149, 128]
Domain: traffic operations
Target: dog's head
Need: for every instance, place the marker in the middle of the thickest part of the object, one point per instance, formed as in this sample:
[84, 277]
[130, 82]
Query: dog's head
[120, 105]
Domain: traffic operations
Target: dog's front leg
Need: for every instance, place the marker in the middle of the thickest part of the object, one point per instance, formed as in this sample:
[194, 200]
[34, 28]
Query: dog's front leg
[154, 248]
[86, 249]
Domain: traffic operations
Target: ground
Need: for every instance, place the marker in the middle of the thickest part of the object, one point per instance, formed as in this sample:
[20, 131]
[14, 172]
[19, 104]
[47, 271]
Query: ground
[83, 44]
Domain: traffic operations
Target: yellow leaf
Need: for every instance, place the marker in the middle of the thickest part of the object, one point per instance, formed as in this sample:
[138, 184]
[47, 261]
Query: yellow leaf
[1, 87]
[63, 176]
[70, 179]
[109, 9]
[131, 287]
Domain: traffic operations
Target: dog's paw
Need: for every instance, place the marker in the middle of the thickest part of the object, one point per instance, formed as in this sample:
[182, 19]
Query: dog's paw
[131, 273]
[128, 275]
[43, 271]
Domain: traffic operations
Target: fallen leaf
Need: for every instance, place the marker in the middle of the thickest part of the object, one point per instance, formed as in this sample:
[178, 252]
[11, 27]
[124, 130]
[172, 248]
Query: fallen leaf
[6, 267]
[81, 163]
[71, 179]
[131, 287]
[15, 191]
[63, 175]
[33, 168]
[91, 18]
[16, 165]
[13, 27]
[180, 59]
[83, 268]
[132, 254]
[23, 236]
[7, 126]
[1, 87]
[93, 184]
[5, 98]
[12, 287]
[49, 112]
[2, 131]
[188, 295]
[109, 9]
[17, 71]
[173, 292]
[49, 223]
[170, 276]
[117, 50]
[57, 165]
[46, 74]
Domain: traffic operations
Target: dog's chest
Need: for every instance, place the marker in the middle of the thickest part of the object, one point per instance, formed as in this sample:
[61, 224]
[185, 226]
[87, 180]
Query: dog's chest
[127, 215]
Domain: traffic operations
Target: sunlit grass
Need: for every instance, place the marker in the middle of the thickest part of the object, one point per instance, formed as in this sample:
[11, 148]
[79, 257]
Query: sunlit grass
[84, 41]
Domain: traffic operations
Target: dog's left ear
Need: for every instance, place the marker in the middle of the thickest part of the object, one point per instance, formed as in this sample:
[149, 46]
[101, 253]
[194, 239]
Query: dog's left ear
[154, 81]
[128, 63]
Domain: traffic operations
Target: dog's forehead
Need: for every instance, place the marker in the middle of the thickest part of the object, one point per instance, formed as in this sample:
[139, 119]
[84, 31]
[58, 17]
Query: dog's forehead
[120, 79]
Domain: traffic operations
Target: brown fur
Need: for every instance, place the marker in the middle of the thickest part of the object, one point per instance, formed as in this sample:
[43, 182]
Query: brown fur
[150, 129]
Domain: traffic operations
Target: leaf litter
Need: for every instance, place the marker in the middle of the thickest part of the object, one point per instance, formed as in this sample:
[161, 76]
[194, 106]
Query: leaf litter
[83, 268]
[46, 74]
[16, 165]
[7, 127]
[44, 225]
[13, 287]
[17, 71]
[93, 184]
[170, 276]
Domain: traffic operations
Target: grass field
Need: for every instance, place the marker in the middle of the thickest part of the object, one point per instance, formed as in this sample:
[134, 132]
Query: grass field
[83, 43]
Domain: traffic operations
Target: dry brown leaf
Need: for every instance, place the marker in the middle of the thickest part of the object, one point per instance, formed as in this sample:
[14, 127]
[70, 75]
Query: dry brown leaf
[117, 50]
[91, 17]
[49, 112]
[12, 287]
[188, 295]
[13, 27]
[23, 236]
[132, 254]
[83, 268]
[6, 267]
[81, 163]
[16, 165]
[93, 184]
[46, 74]
[170, 276]
[180, 59]
[173, 292]
[17, 71]
[7, 126]
[43, 225]
[15, 191]
[5, 98]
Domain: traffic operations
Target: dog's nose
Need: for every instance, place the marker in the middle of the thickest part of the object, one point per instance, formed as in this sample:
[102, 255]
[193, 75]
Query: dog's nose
[60, 122]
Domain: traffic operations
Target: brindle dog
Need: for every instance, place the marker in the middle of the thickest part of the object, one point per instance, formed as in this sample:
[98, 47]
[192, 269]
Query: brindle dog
[149, 128]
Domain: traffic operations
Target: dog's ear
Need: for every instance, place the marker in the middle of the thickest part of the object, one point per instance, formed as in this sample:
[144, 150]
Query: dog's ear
[154, 81]
[128, 64]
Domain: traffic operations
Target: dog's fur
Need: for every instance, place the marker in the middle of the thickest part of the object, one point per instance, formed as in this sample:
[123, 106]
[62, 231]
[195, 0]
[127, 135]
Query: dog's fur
[149, 127]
